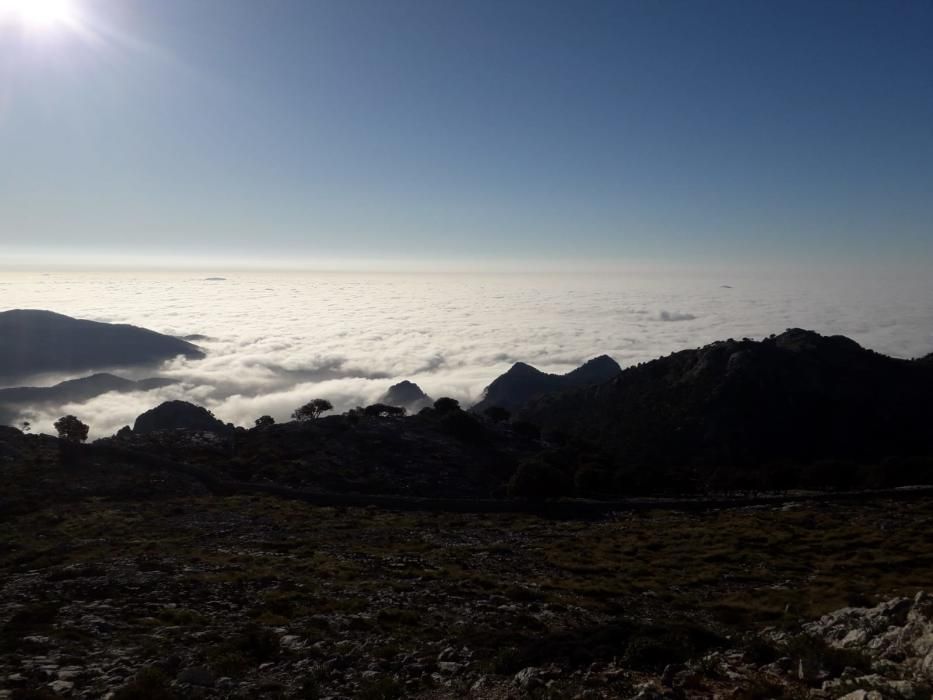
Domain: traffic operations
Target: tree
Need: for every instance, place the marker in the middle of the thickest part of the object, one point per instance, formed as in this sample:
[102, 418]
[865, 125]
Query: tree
[497, 414]
[312, 410]
[445, 404]
[381, 410]
[71, 429]
[25, 426]
[265, 421]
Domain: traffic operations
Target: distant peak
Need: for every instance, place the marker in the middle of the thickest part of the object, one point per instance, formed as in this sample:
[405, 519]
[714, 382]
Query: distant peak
[405, 393]
[600, 361]
[593, 371]
[800, 339]
[405, 384]
[523, 368]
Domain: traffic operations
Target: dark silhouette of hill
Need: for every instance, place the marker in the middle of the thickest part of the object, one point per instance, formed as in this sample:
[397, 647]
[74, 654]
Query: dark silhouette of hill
[178, 415]
[407, 395]
[793, 398]
[42, 341]
[451, 454]
[83, 389]
[523, 382]
[79, 389]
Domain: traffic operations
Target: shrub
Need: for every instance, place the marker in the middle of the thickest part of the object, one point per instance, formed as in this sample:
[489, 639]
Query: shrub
[71, 429]
[497, 414]
[149, 684]
[265, 421]
[381, 689]
[535, 478]
[590, 479]
[463, 426]
[381, 410]
[445, 404]
[526, 429]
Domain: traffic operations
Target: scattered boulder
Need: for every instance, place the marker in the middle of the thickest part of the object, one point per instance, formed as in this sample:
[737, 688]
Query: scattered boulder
[898, 631]
[528, 678]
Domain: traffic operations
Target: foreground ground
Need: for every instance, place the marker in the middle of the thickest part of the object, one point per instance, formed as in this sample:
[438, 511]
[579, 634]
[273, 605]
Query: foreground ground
[192, 595]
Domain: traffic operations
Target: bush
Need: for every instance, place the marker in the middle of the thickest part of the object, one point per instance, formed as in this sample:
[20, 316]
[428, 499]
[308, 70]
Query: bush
[526, 430]
[463, 426]
[381, 410]
[906, 471]
[833, 474]
[497, 414]
[445, 404]
[381, 689]
[265, 421]
[535, 478]
[590, 479]
[149, 684]
[252, 646]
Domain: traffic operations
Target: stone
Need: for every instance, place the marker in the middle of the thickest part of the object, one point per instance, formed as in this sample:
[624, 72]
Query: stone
[528, 678]
[197, 675]
[862, 695]
[61, 687]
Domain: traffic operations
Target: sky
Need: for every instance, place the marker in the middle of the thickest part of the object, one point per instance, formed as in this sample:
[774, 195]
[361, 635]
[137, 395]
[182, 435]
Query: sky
[307, 132]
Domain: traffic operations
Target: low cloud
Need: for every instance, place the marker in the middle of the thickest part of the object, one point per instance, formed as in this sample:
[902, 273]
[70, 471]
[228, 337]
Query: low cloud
[675, 316]
[275, 341]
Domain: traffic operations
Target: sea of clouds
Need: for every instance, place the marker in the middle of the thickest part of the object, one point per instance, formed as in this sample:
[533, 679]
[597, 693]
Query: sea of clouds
[275, 340]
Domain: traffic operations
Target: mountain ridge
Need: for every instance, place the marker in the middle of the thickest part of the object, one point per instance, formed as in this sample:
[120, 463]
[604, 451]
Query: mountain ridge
[798, 396]
[37, 342]
[522, 382]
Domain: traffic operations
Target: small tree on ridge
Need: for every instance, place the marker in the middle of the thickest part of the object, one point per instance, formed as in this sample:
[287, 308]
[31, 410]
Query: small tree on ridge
[312, 410]
[71, 429]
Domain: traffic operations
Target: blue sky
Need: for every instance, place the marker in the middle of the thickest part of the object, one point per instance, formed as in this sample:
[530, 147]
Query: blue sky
[590, 131]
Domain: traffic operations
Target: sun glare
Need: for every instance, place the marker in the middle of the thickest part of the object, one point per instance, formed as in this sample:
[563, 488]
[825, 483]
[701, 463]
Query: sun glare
[39, 15]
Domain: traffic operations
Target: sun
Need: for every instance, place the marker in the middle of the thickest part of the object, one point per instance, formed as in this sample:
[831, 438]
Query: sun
[39, 15]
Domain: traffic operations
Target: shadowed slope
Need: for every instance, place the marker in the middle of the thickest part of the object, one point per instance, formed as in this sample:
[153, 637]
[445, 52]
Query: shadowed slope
[523, 382]
[798, 396]
[42, 341]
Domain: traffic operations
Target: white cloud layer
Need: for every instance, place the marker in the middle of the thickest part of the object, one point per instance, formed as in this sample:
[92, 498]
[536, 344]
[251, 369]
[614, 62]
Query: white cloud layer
[275, 340]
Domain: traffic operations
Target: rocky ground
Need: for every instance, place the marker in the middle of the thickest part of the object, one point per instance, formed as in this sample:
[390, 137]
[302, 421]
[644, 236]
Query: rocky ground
[128, 580]
[191, 595]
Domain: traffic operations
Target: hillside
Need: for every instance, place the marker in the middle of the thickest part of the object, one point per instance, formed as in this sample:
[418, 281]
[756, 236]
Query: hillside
[73, 390]
[797, 398]
[124, 578]
[455, 455]
[36, 342]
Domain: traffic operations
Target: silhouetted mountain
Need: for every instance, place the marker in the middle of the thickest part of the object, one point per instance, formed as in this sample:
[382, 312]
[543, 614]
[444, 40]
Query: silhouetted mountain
[81, 389]
[407, 395]
[594, 371]
[178, 415]
[42, 341]
[523, 382]
[432, 454]
[796, 397]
